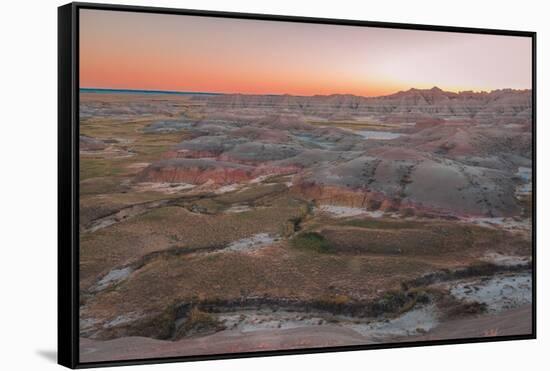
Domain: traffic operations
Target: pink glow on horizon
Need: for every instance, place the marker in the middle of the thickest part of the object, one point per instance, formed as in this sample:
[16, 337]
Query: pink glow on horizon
[188, 53]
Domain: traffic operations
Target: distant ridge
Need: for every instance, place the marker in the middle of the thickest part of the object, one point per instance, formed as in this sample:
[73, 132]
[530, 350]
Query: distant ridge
[136, 91]
[504, 105]
[402, 93]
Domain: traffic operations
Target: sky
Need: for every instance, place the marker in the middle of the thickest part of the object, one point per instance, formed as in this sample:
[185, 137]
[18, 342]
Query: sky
[126, 50]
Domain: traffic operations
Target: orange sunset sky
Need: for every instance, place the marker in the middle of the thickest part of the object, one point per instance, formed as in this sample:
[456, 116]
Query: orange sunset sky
[125, 50]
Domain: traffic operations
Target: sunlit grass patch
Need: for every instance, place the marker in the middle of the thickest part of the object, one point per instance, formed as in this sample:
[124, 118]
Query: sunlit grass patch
[95, 167]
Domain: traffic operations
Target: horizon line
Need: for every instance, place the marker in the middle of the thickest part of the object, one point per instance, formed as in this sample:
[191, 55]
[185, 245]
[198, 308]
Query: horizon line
[182, 92]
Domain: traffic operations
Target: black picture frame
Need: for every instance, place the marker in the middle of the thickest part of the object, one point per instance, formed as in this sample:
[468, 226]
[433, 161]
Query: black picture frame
[68, 184]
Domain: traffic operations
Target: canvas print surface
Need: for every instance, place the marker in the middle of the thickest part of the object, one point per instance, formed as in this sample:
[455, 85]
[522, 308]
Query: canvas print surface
[253, 185]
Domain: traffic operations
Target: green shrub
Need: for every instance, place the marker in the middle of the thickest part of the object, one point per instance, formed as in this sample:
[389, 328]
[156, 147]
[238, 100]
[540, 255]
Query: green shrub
[312, 241]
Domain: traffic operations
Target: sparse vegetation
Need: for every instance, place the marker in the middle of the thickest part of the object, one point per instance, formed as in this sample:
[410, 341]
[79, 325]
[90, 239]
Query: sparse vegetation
[453, 308]
[95, 167]
[198, 322]
[335, 300]
[311, 241]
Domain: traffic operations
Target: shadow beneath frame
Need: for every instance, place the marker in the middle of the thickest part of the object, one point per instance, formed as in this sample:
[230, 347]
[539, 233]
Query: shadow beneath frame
[50, 355]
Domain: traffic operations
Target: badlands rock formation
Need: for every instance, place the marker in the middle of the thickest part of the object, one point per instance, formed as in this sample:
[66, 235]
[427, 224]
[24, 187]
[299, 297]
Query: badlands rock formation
[450, 153]
[498, 105]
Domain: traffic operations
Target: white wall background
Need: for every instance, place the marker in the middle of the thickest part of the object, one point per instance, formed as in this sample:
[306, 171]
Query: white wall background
[28, 182]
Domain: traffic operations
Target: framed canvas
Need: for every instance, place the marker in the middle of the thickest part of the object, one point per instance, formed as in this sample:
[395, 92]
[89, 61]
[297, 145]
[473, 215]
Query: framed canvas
[236, 185]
